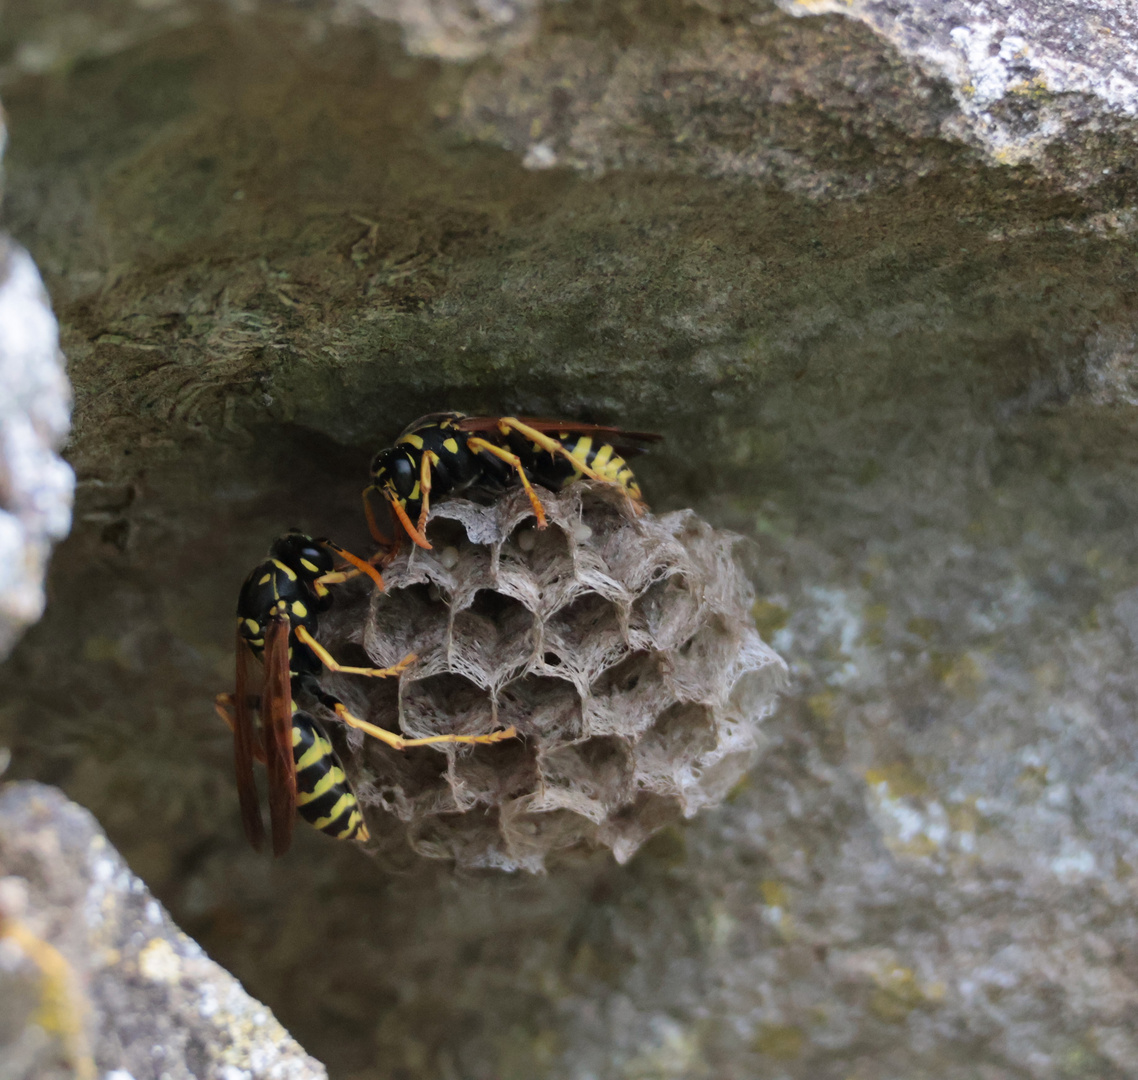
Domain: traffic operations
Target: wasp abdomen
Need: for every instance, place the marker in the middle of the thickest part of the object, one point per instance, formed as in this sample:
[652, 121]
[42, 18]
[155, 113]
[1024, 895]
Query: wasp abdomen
[555, 471]
[324, 798]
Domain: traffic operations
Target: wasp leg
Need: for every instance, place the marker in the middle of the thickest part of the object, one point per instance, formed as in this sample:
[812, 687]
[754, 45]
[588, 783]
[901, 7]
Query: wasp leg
[326, 658]
[389, 738]
[515, 462]
[417, 537]
[223, 703]
[372, 524]
[361, 567]
[429, 459]
[397, 742]
[389, 548]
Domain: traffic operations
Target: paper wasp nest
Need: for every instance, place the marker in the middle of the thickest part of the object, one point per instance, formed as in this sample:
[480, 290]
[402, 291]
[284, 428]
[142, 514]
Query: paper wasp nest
[621, 647]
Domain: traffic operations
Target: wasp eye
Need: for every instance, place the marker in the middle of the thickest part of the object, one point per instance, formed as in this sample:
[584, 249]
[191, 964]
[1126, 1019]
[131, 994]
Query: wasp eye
[401, 475]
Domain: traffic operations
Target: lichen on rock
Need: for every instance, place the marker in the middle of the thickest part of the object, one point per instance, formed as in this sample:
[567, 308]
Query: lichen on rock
[96, 974]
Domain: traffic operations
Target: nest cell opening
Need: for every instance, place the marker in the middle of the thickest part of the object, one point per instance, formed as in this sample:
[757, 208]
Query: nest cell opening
[626, 698]
[542, 707]
[445, 704]
[493, 638]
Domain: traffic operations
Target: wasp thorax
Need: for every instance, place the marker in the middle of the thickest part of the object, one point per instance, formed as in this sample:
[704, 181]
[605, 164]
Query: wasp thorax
[621, 646]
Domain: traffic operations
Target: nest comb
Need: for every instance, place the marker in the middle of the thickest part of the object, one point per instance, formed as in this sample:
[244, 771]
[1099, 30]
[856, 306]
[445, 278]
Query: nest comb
[622, 648]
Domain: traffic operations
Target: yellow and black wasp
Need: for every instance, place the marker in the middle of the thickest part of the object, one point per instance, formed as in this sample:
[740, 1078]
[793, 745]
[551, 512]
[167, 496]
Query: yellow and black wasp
[277, 622]
[445, 452]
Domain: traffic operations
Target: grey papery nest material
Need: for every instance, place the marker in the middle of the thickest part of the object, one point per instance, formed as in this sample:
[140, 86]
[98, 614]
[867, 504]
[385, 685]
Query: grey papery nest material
[622, 647]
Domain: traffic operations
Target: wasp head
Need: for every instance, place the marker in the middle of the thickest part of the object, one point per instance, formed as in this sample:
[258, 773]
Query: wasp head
[395, 472]
[308, 557]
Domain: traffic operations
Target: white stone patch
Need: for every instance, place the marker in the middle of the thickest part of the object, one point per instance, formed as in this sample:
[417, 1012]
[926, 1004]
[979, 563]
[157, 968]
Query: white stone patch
[35, 404]
[232, 1072]
[1073, 863]
[540, 156]
[839, 615]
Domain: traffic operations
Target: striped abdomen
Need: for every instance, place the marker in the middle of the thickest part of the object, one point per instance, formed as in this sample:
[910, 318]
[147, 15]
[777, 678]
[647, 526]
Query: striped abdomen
[324, 797]
[558, 472]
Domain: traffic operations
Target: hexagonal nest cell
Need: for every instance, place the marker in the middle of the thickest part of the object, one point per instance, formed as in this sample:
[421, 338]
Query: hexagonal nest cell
[621, 646]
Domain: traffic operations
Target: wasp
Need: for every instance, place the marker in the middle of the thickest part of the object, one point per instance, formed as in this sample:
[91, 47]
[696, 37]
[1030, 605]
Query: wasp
[445, 452]
[278, 613]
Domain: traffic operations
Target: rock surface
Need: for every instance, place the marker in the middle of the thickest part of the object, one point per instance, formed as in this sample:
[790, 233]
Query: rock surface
[97, 979]
[35, 484]
[906, 371]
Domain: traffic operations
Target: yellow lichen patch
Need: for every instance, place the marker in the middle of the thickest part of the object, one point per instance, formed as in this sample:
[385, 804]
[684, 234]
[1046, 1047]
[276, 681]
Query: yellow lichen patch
[769, 618]
[963, 817]
[901, 780]
[922, 627]
[920, 846]
[897, 994]
[783, 1042]
[63, 1009]
[777, 903]
[959, 674]
[823, 705]
[1035, 88]
[965, 676]
[875, 619]
[912, 822]
[773, 893]
[876, 564]
[158, 962]
[100, 649]
[1033, 777]
[1048, 677]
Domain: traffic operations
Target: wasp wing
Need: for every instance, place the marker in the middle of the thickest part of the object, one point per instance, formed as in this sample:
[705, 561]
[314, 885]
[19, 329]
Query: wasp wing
[625, 443]
[244, 750]
[428, 420]
[276, 731]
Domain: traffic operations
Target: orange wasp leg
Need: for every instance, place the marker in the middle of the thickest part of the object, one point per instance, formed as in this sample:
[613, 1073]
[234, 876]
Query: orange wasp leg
[332, 664]
[417, 537]
[372, 524]
[223, 705]
[476, 444]
[361, 567]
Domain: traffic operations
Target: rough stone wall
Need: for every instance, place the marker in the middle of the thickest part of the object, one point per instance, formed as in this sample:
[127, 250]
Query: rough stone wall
[97, 981]
[904, 369]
